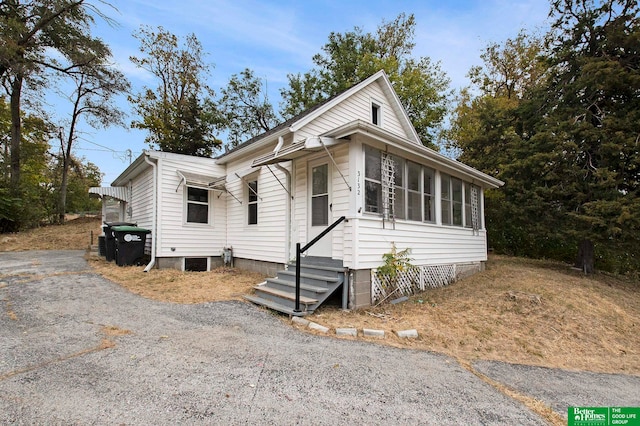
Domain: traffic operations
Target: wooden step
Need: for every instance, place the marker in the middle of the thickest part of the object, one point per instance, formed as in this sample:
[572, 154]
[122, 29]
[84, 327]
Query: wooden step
[275, 306]
[285, 294]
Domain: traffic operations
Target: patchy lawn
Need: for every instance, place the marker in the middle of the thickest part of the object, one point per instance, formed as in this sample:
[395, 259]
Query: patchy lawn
[169, 285]
[518, 310]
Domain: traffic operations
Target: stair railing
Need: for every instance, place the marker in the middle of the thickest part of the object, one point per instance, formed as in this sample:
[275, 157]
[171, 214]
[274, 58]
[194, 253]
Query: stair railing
[299, 251]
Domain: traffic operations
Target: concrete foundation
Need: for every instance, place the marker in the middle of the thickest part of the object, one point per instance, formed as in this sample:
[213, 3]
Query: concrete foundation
[360, 291]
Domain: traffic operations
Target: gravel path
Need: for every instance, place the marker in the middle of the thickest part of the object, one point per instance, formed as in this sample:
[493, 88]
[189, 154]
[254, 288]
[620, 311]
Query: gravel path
[561, 389]
[215, 363]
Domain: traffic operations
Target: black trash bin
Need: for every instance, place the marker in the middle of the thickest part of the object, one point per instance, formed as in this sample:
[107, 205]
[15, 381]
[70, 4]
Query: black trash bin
[110, 238]
[130, 242]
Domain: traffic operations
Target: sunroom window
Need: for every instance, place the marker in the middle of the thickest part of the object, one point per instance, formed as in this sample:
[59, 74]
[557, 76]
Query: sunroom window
[451, 200]
[427, 190]
[412, 195]
[414, 191]
[372, 181]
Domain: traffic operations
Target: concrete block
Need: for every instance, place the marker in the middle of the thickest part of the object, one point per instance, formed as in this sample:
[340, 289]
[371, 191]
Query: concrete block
[408, 334]
[346, 332]
[301, 321]
[373, 333]
[318, 327]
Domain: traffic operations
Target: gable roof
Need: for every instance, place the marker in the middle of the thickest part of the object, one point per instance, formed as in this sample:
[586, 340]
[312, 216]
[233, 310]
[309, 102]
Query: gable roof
[305, 117]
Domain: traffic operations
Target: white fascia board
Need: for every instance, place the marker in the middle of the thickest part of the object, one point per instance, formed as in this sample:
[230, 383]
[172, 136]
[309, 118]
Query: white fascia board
[134, 169]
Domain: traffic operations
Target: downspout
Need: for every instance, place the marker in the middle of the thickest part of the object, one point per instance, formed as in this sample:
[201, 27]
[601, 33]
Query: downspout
[288, 218]
[154, 225]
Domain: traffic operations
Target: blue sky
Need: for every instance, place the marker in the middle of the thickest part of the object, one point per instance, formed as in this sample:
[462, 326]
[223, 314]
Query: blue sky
[275, 38]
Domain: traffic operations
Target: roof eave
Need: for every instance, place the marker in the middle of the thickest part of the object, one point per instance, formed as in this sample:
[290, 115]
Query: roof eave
[371, 130]
[134, 169]
[257, 145]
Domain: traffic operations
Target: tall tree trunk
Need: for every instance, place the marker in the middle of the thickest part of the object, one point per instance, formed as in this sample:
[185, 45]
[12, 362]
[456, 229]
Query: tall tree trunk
[63, 190]
[16, 134]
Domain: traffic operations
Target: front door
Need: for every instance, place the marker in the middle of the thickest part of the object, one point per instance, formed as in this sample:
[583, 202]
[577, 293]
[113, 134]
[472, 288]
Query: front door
[319, 207]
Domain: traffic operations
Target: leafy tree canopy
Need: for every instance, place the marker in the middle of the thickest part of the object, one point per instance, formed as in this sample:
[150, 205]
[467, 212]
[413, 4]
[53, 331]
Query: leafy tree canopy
[559, 122]
[246, 109]
[179, 114]
[349, 58]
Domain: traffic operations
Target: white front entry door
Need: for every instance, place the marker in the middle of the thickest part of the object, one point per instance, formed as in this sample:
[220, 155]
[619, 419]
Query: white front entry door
[319, 207]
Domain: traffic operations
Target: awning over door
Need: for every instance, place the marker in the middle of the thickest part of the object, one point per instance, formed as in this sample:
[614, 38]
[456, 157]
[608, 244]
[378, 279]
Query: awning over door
[117, 192]
[295, 150]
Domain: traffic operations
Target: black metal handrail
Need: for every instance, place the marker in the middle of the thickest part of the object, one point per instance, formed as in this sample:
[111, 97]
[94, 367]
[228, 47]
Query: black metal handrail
[299, 251]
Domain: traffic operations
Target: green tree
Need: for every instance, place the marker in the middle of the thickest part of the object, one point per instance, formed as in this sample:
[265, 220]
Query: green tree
[31, 207]
[246, 108]
[593, 115]
[33, 34]
[95, 87]
[179, 114]
[566, 141]
[353, 56]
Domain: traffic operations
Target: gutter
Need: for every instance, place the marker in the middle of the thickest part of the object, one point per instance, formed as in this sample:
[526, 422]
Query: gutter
[154, 214]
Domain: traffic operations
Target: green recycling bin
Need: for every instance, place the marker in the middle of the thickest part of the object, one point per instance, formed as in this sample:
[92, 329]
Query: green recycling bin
[130, 241]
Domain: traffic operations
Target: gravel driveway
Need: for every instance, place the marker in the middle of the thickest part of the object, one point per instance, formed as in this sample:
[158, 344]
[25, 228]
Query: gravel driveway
[64, 359]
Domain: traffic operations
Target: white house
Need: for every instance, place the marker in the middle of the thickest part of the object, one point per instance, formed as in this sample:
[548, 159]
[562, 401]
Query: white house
[355, 156]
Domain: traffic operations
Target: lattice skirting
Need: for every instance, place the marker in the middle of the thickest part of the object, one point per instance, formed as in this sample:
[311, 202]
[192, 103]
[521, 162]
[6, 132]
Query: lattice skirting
[411, 281]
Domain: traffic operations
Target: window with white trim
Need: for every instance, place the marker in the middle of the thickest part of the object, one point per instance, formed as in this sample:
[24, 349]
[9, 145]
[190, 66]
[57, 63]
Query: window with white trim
[399, 207]
[427, 191]
[413, 187]
[197, 205]
[372, 180]
[376, 114]
[445, 199]
[252, 202]
[451, 200]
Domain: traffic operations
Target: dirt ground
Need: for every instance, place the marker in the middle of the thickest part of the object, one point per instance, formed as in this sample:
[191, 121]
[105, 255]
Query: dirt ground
[518, 310]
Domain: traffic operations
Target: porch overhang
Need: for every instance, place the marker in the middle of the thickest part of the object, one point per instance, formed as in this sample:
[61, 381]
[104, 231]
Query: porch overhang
[117, 192]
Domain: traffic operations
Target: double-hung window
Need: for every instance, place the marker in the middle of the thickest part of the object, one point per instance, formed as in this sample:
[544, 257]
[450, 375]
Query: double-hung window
[451, 200]
[414, 191]
[252, 202]
[197, 205]
[427, 191]
[372, 180]
[445, 199]
[399, 205]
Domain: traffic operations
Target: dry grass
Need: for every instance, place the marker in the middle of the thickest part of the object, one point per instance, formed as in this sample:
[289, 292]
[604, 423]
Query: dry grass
[518, 310]
[73, 235]
[169, 285]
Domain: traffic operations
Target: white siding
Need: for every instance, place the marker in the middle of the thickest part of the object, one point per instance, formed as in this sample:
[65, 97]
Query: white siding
[430, 244]
[176, 238]
[340, 198]
[266, 241]
[356, 107]
[142, 199]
